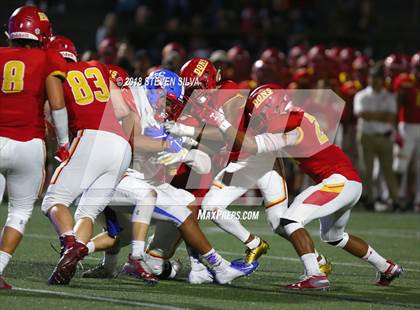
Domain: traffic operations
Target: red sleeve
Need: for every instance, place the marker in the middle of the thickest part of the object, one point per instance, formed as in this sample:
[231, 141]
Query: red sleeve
[56, 64]
[285, 122]
[117, 75]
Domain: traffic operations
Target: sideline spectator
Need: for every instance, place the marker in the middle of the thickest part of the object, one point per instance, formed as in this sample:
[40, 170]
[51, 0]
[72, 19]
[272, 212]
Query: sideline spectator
[375, 109]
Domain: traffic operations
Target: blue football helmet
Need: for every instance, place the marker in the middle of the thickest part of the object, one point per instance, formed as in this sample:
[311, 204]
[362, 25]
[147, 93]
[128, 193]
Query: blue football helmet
[165, 84]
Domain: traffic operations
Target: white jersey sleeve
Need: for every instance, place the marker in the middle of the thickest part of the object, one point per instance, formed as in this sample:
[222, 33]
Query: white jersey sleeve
[147, 118]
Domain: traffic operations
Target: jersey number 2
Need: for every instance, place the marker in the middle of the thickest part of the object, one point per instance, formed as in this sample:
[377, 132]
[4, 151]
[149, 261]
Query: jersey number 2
[13, 73]
[322, 137]
[81, 90]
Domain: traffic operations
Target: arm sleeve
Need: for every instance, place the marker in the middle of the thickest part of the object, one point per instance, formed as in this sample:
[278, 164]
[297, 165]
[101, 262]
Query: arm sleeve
[198, 161]
[273, 142]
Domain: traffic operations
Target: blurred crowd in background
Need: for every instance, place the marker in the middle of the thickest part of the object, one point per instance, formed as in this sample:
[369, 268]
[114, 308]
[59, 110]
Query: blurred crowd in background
[345, 46]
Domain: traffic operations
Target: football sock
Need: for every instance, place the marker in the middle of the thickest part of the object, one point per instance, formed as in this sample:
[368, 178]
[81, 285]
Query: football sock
[229, 223]
[311, 264]
[213, 258]
[253, 243]
[376, 260]
[137, 249]
[4, 260]
[91, 247]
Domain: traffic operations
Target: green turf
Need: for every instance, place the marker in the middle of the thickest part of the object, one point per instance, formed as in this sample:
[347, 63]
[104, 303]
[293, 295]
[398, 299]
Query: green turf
[396, 236]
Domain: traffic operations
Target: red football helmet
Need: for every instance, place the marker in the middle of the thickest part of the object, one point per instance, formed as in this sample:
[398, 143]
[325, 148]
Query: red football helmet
[346, 57]
[107, 50]
[200, 77]
[262, 72]
[201, 70]
[64, 46]
[173, 47]
[294, 53]
[265, 103]
[316, 53]
[274, 56]
[317, 59]
[30, 23]
[415, 65]
[361, 65]
[395, 64]
[333, 53]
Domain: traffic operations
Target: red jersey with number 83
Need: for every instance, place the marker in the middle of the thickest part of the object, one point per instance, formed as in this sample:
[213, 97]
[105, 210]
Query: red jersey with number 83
[23, 72]
[88, 102]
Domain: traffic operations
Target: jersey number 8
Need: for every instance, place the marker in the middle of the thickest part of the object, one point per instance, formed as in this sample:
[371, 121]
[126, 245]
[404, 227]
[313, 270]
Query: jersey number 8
[81, 90]
[13, 73]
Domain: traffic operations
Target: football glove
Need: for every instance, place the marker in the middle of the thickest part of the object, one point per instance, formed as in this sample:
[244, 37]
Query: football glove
[178, 129]
[167, 158]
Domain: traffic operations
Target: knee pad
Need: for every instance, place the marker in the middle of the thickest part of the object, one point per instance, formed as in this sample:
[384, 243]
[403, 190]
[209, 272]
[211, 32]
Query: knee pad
[144, 208]
[341, 243]
[18, 217]
[290, 226]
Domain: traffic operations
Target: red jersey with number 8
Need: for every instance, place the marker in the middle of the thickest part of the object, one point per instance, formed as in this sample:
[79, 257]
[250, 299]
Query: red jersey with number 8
[88, 98]
[317, 156]
[23, 72]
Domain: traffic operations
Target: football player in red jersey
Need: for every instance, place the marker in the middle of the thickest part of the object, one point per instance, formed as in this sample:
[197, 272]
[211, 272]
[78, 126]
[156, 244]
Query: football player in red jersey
[337, 190]
[95, 113]
[220, 195]
[407, 87]
[395, 64]
[28, 73]
[207, 77]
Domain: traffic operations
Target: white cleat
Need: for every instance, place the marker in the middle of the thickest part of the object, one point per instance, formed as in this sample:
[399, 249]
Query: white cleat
[201, 276]
[226, 272]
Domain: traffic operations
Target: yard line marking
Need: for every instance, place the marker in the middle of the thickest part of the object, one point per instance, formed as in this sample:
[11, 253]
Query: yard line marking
[99, 298]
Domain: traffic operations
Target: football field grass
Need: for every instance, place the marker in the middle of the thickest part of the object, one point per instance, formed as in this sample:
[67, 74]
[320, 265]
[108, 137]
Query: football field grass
[397, 236]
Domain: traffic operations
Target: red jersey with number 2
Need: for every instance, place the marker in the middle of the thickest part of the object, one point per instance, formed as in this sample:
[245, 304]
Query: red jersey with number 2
[317, 156]
[87, 94]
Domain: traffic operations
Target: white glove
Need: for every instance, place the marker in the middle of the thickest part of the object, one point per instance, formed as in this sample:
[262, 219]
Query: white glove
[218, 117]
[167, 158]
[189, 142]
[178, 129]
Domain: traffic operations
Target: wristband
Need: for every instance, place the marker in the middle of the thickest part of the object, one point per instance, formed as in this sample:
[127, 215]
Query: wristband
[61, 125]
[224, 126]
